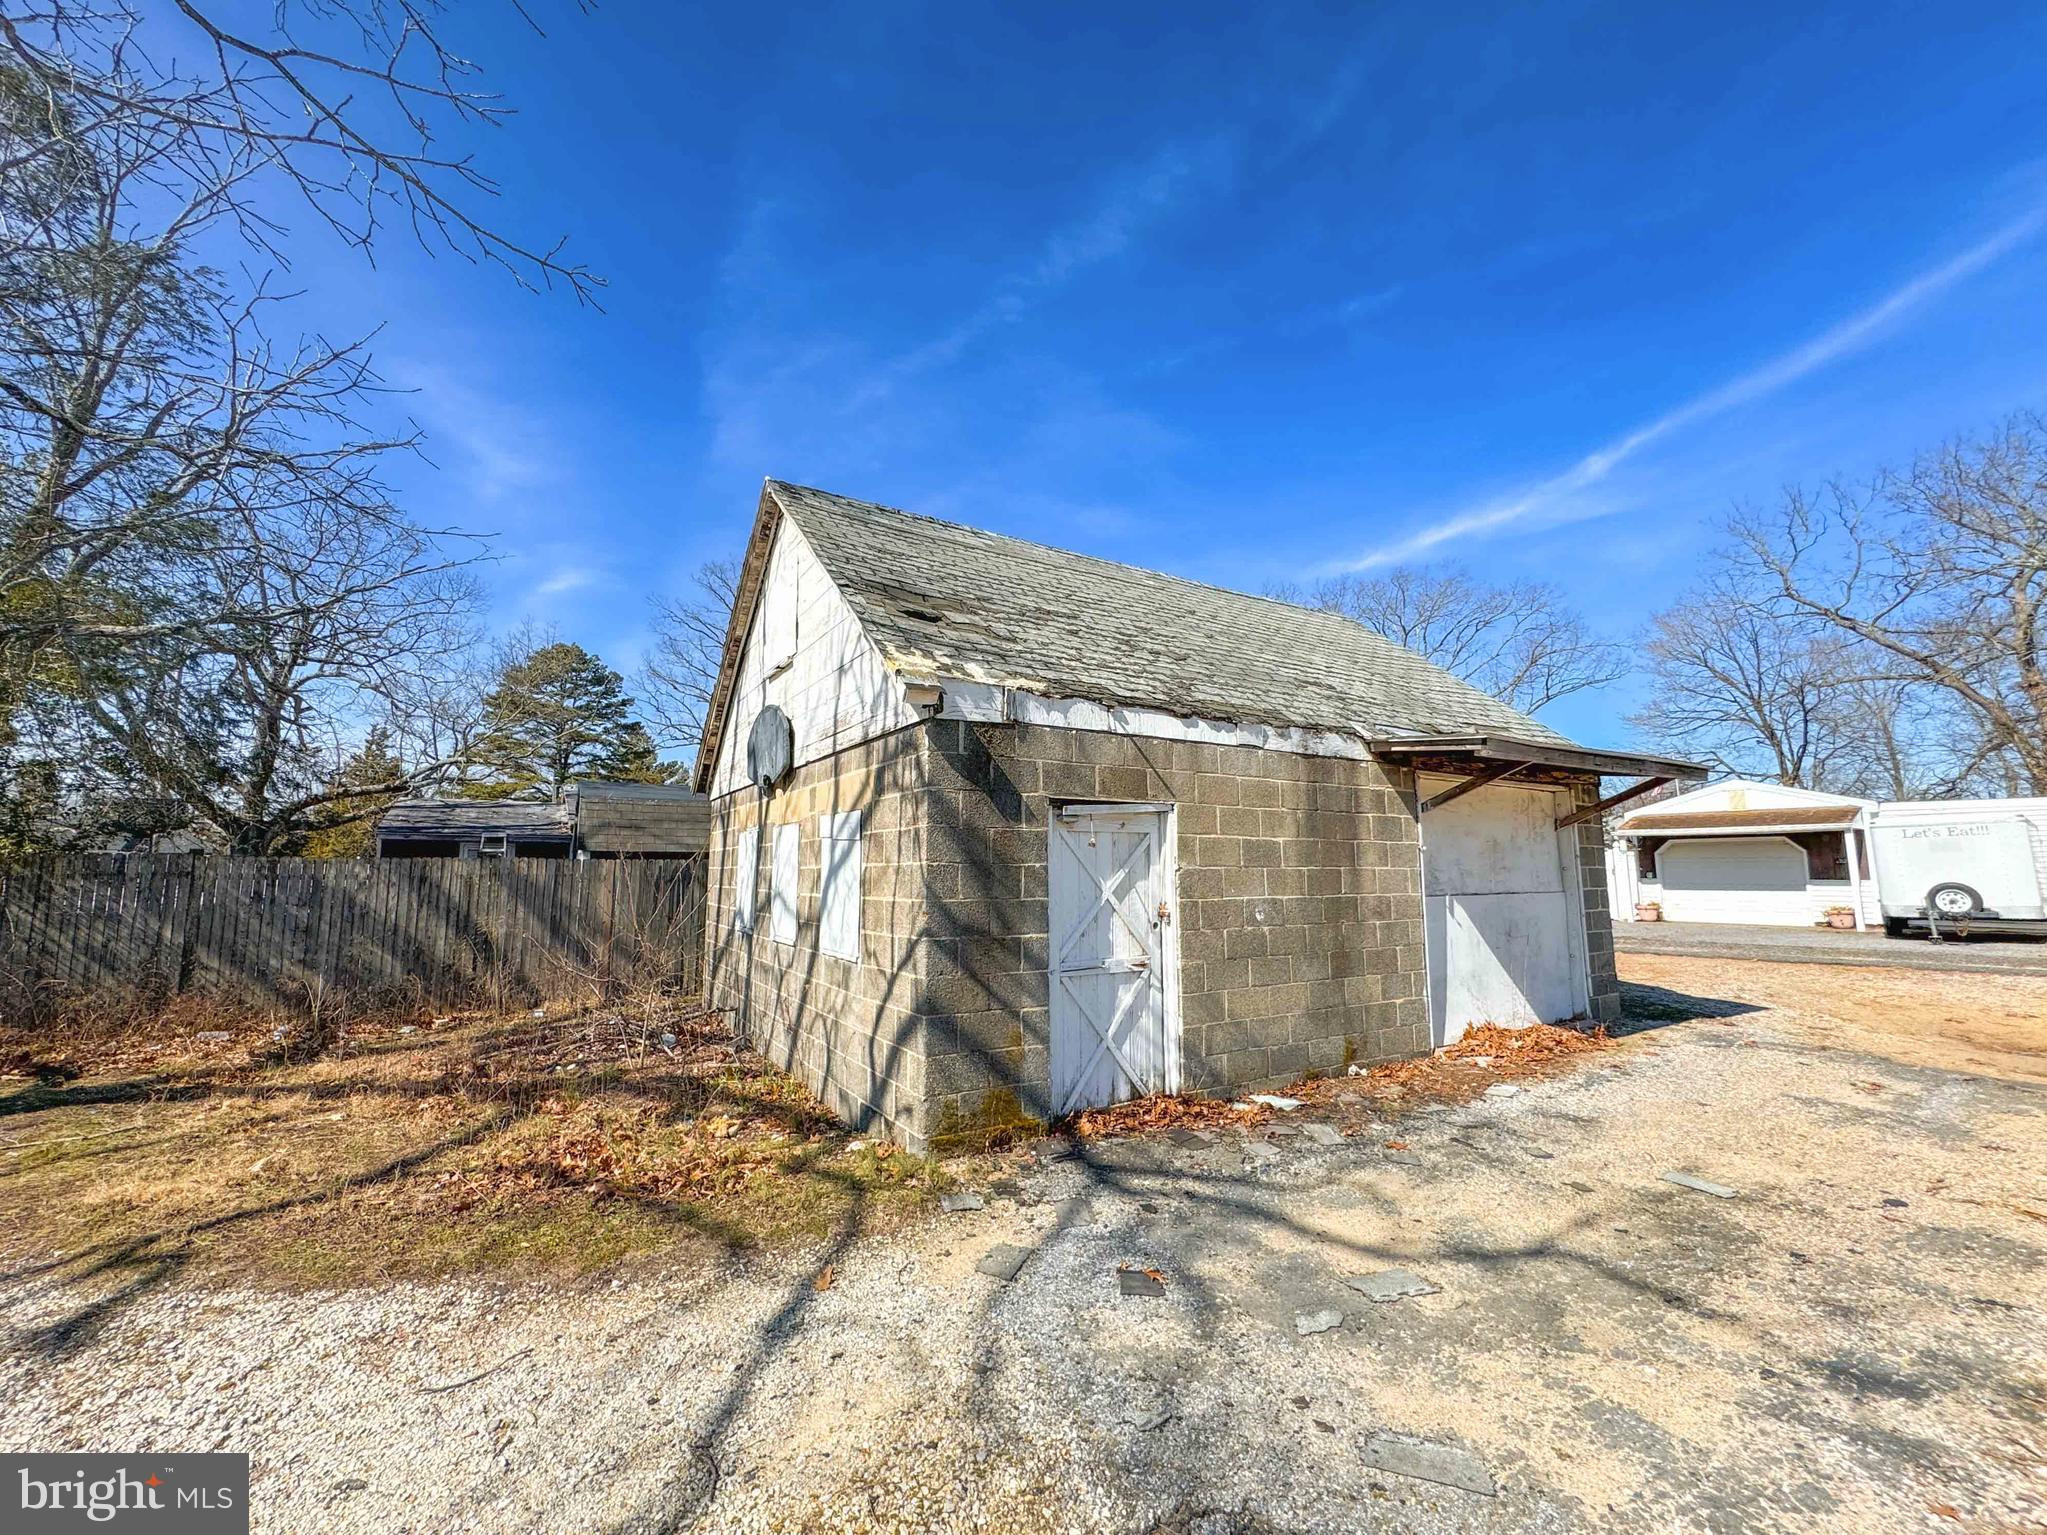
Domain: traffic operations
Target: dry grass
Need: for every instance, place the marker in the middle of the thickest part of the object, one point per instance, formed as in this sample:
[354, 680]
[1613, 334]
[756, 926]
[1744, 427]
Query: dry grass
[554, 1145]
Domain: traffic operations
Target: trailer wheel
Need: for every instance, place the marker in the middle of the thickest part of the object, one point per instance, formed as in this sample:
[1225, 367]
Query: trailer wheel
[1953, 901]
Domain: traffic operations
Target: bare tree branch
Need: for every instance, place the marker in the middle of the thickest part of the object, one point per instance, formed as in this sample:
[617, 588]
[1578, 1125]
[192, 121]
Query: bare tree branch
[681, 669]
[1522, 643]
[1940, 573]
[287, 109]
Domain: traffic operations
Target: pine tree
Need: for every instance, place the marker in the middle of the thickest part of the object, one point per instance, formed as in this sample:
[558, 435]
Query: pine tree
[346, 828]
[559, 715]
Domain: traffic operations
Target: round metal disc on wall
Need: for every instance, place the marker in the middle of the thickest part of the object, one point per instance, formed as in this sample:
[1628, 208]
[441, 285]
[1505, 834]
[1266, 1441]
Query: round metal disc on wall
[770, 747]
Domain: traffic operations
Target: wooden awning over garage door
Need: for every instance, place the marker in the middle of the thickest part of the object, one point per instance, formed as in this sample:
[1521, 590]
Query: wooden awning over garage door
[1480, 760]
[1647, 823]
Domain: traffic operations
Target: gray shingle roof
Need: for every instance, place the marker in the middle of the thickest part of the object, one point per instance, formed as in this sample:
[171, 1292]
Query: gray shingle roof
[942, 600]
[440, 818]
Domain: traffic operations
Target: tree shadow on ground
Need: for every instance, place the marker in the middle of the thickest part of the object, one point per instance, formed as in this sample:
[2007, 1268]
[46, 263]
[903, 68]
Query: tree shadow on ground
[161, 1255]
[1645, 1008]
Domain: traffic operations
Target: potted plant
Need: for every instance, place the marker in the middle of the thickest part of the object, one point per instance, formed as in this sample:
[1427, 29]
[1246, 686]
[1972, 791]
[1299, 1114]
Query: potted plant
[1840, 916]
[1648, 911]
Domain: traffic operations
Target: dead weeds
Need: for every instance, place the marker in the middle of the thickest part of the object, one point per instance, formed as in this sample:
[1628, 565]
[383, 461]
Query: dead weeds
[454, 1144]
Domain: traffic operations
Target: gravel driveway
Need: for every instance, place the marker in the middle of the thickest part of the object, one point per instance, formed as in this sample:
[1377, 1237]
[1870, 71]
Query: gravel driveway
[1978, 953]
[1852, 1341]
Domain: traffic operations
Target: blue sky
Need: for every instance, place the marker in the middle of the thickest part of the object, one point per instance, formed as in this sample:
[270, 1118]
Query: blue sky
[1245, 293]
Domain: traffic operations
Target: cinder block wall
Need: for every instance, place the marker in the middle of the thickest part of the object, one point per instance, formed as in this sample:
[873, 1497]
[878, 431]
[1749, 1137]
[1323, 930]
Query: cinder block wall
[850, 1031]
[1300, 921]
[1606, 986]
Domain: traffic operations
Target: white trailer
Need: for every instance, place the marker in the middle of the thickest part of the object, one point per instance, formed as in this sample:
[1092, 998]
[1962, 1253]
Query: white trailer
[1960, 866]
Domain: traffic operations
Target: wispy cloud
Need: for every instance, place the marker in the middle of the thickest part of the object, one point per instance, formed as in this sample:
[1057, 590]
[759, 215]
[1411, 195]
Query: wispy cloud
[1128, 206]
[572, 578]
[497, 446]
[810, 397]
[1566, 496]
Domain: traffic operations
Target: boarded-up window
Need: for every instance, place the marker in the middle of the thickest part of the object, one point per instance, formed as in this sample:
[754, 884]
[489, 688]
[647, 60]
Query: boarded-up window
[782, 885]
[746, 866]
[838, 905]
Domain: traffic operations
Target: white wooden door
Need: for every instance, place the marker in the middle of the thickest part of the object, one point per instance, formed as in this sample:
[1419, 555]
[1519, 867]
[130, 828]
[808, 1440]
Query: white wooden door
[1114, 1014]
[1501, 929]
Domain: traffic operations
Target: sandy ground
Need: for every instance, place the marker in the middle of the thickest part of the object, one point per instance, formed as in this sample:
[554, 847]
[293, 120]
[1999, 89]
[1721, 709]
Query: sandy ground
[1853, 1341]
[1978, 1023]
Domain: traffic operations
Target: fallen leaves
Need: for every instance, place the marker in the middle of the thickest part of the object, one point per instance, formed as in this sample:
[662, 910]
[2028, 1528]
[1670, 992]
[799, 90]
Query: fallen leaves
[1162, 1111]
[1535, 1044]
[823, 1282]
[610, 1150]
[1487, 1055]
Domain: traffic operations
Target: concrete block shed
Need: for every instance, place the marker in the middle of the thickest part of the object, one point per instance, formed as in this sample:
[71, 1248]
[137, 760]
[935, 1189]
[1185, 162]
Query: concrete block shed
[999, 832]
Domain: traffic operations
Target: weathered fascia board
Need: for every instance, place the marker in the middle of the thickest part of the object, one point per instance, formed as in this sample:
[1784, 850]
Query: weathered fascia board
[1686, 832]
[993, 704]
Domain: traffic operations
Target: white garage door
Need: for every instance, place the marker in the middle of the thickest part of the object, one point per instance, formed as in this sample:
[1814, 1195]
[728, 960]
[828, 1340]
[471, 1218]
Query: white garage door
[1734, 879]
[1502, 933]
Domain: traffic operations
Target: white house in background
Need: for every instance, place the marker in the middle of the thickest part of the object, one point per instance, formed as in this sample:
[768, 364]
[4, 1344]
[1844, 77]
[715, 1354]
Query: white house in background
[1742, 851]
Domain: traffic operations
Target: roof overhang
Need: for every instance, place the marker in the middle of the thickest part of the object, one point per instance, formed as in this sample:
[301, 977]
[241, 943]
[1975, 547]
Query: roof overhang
[1479, 760]
[1472, 750]
[1740, 823]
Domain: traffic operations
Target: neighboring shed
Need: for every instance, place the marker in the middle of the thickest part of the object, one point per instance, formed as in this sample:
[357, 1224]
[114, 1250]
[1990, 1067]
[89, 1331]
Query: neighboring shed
[1742, 851]
[999, 831]
[475, 828]
[594, 820]
[638, 820]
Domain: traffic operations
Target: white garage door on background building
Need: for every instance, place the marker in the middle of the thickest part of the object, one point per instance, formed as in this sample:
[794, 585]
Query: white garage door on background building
[1501, 921]
[1734, 879]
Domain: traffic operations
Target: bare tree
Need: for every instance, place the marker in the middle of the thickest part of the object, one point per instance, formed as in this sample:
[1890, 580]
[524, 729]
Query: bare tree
[1939, 576]
[1521, 642]
[681, 668]
[243, 723]
[1906, 740]
[1735, 685]
[203, 580]
[342, 103]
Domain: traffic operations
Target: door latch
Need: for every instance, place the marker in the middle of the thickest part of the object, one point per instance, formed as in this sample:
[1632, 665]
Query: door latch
[1165, 913]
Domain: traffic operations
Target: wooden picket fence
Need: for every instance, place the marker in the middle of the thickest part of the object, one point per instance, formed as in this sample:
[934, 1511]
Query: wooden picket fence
[312, 932]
